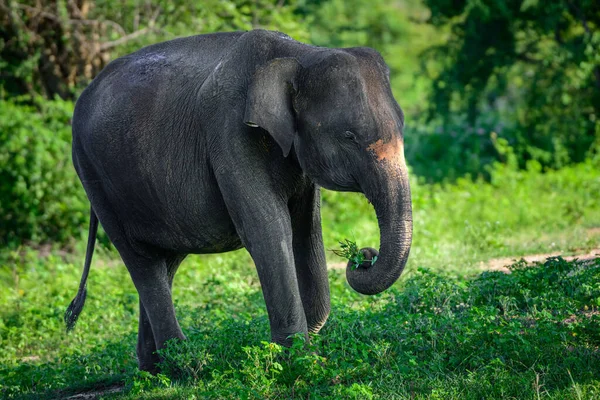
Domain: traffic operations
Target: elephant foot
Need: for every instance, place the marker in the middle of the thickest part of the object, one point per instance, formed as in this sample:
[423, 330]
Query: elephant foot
[316, 327]
[287, 339]
[318, 320]
[149, 362]
[151, 368]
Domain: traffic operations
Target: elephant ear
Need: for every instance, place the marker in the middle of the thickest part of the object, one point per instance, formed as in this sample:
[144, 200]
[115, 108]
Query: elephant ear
[269, 101]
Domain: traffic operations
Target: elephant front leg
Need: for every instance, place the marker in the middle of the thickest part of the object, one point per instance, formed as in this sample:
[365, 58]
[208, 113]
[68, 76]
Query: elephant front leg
[146, 347]
[271, 248]
[309, 257]
[265, 229]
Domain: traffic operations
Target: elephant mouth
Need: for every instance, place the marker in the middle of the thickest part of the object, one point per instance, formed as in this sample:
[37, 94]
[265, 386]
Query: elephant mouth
[370, 256]
[339, 184]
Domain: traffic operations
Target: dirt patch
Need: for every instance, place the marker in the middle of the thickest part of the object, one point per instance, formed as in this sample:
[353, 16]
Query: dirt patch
[501, 264]
[30, 359]
[593, 231]
[94, 394]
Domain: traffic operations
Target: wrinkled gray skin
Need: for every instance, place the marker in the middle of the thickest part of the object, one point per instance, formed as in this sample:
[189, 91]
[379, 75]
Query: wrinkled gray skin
[211, 143]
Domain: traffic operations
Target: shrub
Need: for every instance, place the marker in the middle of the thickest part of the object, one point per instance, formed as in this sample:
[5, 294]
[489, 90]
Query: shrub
[41, 198]
[458, 148]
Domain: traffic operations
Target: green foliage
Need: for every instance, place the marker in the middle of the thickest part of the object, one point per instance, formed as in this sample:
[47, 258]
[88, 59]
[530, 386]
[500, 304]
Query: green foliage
[54, 48]
[532, 64]
[40, 196]
[182, 18]
[181, 360]
[436, 335]
[457, 149]
[143, 381]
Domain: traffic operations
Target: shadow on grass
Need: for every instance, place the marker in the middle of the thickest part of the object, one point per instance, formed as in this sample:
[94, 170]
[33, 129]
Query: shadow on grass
[103, 366]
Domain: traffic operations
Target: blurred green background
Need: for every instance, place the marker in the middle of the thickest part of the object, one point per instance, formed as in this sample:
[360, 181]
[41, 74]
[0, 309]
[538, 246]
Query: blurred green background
[515, 82]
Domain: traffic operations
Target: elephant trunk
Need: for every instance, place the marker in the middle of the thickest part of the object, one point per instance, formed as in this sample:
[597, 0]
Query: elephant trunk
[390, 195]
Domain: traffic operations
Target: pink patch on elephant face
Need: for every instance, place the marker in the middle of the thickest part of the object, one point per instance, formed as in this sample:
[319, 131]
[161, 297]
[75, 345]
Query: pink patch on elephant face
[391, 151]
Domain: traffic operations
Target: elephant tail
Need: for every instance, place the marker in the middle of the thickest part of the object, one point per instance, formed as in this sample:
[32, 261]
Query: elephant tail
[76, 305]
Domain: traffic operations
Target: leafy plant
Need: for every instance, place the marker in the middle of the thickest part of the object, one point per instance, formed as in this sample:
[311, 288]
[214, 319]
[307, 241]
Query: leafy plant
[350, 251]
[143, 381]
[182, 361]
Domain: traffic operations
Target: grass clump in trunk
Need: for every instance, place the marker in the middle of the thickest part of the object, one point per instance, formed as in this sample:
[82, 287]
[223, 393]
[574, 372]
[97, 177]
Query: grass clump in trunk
[351, 252]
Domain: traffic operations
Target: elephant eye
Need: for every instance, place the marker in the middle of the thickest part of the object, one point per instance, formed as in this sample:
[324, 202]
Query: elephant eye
[350, 135]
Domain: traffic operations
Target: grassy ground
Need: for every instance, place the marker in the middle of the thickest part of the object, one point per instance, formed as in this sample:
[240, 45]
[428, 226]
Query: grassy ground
[445, 330]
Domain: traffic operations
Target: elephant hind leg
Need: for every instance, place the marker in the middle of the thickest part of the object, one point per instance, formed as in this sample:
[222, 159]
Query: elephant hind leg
[146, 347]
[153, 280]
[152, 276]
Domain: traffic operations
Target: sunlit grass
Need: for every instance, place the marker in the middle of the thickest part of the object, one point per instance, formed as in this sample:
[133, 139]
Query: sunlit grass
[443, 331]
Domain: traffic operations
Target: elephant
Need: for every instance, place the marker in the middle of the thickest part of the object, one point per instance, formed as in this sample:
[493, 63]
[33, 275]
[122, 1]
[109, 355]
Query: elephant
[221, 141]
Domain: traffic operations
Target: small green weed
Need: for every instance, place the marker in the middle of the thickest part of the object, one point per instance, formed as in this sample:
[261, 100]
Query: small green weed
[182, 361]
[142, 381]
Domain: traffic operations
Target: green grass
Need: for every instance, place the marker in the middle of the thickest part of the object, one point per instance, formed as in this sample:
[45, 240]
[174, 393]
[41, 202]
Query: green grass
[445, 330]
[456, 226]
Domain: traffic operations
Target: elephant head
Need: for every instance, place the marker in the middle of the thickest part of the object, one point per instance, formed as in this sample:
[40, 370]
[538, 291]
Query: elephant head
[336, 112]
